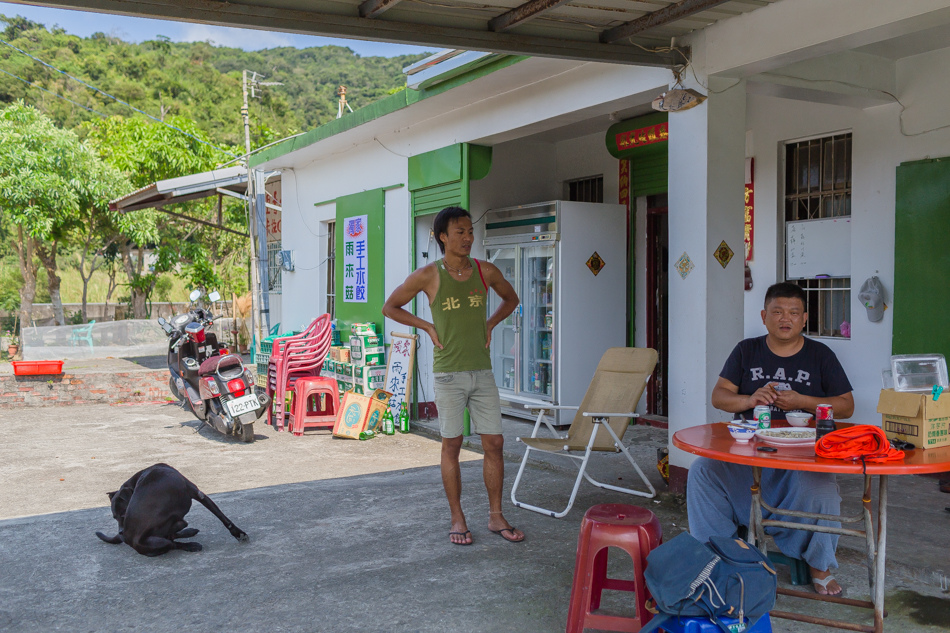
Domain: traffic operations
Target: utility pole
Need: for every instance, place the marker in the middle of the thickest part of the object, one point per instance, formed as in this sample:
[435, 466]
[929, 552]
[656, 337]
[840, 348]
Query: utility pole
[260, 301]
[256, 325]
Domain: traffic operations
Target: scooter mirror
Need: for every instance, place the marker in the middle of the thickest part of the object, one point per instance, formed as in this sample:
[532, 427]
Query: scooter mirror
[195, 294]
[214, 296]
[161, 321]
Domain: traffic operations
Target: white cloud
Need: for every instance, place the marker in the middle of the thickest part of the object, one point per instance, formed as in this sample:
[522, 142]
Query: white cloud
[246, 39]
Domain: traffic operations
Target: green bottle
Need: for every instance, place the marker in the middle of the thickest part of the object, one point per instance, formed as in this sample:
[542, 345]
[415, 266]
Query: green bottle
[404, 418]
[389, 425]
[367, 435]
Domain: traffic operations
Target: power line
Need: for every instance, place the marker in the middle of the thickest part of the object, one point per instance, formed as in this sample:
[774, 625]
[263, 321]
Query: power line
[26, 81]
[116, 99]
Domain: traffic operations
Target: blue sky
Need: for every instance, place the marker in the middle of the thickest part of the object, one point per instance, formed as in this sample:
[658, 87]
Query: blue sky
[85, 23]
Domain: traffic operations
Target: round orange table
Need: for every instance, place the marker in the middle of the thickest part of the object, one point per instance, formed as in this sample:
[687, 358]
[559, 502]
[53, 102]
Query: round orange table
[713, 441]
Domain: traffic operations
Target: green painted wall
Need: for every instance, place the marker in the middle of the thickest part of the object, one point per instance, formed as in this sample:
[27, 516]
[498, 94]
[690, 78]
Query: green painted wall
[371, 203]
[921, 258]
[440, 178]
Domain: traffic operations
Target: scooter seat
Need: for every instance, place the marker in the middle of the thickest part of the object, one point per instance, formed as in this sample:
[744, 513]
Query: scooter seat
[219, 363]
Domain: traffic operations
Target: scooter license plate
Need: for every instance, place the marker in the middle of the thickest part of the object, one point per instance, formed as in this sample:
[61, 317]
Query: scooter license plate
[244, 404]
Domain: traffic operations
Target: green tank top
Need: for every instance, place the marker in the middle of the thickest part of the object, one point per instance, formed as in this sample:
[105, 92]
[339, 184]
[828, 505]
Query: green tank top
[460, 315]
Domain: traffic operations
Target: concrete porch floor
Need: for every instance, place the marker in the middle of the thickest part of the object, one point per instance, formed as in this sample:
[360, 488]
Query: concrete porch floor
[347, 536]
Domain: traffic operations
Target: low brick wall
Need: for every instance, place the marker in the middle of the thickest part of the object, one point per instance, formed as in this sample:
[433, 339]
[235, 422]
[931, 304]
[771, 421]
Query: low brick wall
[146, 385]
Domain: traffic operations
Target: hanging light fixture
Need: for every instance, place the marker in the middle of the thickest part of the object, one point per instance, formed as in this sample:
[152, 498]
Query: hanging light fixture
[678, 100]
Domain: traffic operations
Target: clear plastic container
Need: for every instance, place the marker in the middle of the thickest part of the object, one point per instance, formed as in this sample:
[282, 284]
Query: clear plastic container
[919, 372]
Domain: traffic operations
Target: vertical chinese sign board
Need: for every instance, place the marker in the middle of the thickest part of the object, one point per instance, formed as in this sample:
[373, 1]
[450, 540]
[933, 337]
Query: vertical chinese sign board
[399, 369]
[360, 258]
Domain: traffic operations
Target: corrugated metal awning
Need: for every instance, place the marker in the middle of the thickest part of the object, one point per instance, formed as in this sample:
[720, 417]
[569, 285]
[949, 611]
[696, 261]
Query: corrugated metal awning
[621, 31]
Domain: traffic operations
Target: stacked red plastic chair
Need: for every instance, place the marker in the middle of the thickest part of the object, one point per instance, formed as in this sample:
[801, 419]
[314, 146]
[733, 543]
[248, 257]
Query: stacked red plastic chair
[294, 357]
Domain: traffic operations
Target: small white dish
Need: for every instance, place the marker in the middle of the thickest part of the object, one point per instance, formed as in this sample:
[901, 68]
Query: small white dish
[741, 434]
[798, 418]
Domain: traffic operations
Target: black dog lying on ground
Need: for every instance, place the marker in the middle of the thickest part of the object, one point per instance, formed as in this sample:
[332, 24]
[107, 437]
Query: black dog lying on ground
[151, 507]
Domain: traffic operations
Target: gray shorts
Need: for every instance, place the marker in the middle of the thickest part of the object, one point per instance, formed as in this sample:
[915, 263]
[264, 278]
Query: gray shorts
[454, 391]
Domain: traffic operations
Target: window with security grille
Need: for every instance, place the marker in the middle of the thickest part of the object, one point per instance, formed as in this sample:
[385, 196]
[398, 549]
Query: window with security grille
[331, 269]
[818, 185]
[585, 189]
[273, 268]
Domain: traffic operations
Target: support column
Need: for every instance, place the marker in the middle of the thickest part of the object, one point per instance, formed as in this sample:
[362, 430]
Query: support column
[707, 158]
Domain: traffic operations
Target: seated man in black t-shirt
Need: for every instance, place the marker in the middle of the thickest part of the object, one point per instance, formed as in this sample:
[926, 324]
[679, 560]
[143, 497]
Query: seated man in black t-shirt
[788, 372]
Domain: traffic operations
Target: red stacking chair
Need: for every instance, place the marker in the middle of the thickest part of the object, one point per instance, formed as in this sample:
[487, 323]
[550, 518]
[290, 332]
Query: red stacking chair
[294, 357]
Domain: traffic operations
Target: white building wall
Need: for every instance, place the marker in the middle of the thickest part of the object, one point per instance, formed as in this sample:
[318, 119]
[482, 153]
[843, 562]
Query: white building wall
[879, 146]
[305, 225]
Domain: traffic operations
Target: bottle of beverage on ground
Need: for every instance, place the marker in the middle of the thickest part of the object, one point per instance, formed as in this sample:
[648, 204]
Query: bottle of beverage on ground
[404, 418]
[389, 425]
[367, 435]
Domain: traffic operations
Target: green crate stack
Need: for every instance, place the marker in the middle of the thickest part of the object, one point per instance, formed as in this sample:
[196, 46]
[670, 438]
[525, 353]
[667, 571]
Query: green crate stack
[262, 358]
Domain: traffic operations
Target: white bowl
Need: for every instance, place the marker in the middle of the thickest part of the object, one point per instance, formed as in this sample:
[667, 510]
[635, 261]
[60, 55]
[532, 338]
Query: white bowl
[798, 418]
[741, 434]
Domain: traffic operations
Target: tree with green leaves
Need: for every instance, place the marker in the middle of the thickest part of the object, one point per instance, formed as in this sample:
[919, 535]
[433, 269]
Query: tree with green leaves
[48, 178]
[148, 152]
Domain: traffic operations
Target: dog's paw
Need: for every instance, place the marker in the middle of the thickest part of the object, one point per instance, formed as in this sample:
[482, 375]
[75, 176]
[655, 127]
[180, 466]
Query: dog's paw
[242, 537]
[187, 533]
[190, 547]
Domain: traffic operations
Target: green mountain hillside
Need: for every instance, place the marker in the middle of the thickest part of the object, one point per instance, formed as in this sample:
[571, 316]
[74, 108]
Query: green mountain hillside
[196, 80]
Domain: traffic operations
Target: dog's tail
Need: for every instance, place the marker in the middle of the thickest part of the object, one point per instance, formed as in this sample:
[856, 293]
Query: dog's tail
[114, 540]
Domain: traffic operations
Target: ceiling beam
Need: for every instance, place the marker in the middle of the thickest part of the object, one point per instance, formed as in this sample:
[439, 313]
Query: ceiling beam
[269, 18]
[374, 8]
[521, 14]
[679, 10]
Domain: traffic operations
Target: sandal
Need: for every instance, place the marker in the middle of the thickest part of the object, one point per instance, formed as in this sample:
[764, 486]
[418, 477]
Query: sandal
[508, 529]
[462, 534]
[824, 582]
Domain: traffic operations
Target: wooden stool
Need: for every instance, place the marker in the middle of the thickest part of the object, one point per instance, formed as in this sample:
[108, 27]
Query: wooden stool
[324, 391]
[633, 529]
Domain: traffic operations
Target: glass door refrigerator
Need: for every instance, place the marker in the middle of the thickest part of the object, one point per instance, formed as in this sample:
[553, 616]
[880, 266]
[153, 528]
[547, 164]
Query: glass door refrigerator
[567, 262]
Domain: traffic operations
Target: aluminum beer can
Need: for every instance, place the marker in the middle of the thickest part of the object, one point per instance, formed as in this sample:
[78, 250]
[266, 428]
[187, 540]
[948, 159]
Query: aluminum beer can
[763, 416]
[824, 420]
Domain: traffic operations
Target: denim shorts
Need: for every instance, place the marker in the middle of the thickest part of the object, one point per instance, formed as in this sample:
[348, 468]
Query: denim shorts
[454, 391]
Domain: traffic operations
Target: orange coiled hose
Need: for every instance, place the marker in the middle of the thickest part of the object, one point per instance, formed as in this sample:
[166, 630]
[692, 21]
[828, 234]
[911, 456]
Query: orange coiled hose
[856, 442]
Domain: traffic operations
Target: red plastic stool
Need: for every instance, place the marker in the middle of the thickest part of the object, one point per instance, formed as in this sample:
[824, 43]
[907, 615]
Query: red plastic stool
[323, 415]
[633, 529]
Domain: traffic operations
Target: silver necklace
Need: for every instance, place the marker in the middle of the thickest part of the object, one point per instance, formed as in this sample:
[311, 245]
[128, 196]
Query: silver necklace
[458, 271]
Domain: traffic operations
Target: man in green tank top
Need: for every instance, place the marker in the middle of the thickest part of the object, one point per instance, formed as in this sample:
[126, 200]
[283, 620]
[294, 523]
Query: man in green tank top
[457, 289]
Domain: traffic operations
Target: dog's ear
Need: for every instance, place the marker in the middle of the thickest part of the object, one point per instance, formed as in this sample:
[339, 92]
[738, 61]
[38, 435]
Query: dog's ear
[112, 494]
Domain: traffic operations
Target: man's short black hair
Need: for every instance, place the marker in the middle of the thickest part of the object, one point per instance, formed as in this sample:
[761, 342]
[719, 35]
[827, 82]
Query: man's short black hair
[441, 223]
[785, 290]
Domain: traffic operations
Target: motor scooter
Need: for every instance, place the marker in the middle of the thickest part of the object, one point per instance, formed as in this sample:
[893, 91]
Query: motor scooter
[206, 378]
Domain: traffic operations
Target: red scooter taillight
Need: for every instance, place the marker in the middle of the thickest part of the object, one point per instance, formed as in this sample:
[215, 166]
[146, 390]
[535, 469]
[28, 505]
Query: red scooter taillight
[236, 387]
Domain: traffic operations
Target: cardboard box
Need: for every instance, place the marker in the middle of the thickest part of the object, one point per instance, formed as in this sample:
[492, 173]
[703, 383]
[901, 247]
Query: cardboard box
[370, 377]
[367, 350]
[363, 329]
[360, 412]
[340, 354]
[915, 418]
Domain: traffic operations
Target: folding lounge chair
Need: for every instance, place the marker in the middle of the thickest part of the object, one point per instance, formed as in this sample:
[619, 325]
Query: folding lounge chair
[610, 402]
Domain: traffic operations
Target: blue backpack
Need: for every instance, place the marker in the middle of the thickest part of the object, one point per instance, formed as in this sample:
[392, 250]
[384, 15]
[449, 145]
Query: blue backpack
[726, 578]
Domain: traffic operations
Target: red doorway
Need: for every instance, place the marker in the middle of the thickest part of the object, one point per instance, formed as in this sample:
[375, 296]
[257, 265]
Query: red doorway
[657, 301]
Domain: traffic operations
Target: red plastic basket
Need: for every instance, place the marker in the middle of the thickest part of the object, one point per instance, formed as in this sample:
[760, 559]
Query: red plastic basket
[37, 367]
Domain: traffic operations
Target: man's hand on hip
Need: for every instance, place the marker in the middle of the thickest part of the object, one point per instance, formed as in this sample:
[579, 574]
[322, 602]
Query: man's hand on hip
[430, 330]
